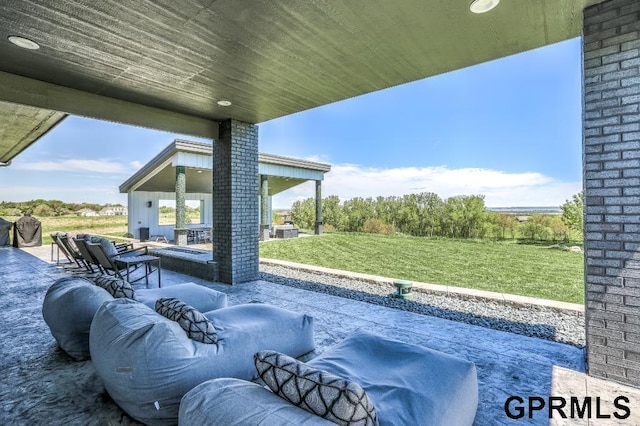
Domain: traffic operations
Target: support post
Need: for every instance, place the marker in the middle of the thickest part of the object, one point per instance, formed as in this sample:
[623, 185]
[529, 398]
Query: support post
[235, 201]
[318, 230]
[264, 208]
[611, 171]
[180, 234]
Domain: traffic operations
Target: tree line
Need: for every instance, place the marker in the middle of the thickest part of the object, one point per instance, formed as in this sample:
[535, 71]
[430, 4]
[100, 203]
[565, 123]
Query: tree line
[44, 208]
[428, 215]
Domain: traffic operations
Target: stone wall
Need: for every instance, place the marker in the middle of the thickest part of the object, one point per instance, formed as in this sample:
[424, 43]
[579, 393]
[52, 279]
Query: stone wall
[612, 189]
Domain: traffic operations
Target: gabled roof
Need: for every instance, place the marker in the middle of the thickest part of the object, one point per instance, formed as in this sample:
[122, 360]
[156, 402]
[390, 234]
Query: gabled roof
[159, 175]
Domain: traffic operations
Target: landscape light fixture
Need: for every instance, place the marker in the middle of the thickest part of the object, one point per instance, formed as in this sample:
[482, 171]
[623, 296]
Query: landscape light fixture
[482, 6]
[23, 42]
[224, 103]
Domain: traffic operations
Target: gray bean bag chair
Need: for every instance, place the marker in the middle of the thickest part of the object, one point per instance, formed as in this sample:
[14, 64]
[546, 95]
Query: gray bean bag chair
[147, 362]
[71, 302]
[407, 384]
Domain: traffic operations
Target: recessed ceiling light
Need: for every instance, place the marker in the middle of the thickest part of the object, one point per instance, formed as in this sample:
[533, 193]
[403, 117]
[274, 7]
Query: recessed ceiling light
[25, 43]
[482, 6]
[224, 103]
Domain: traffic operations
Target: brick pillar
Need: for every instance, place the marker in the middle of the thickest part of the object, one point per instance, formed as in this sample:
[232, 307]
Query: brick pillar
[235, 201]
[611, 149]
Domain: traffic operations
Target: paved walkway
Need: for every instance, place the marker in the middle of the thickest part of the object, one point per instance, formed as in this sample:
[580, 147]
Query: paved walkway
[41, 385]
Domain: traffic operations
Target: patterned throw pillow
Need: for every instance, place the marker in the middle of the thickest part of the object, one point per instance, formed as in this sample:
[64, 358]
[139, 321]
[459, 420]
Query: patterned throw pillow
[319, 392]
[117, 287]
[192, 321]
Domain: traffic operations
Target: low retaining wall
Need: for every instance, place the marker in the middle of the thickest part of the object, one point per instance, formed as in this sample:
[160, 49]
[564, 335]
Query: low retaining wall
[193, 262]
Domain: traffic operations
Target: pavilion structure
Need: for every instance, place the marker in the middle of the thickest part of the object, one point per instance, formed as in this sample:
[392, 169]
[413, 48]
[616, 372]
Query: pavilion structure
[182, 172]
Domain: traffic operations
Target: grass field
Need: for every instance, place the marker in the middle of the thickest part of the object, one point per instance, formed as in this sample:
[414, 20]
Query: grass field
[508, 267]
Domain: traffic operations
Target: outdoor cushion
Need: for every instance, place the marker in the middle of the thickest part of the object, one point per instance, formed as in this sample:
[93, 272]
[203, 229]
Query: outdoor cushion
[147, 362]
[408, 384]
[319, 392]
[192, 321]
[235, 402]
[107, 246]
[68, 309]
[195, 295]
[71, 302]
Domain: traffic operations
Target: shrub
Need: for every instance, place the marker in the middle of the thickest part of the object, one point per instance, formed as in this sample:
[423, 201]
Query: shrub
[376, 226]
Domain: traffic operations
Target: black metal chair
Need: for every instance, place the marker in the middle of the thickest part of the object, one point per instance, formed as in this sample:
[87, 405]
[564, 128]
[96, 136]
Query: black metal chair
[127, 261]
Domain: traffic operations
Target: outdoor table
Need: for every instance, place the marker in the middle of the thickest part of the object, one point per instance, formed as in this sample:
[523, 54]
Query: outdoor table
[146, 259]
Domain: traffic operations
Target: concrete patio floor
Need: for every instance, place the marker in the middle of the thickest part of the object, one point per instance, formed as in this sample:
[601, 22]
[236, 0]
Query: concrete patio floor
[41, 385]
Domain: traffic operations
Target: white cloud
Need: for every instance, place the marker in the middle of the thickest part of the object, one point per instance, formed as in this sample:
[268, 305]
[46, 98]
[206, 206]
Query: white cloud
[501, 189]
[321, 158]
[76, 165]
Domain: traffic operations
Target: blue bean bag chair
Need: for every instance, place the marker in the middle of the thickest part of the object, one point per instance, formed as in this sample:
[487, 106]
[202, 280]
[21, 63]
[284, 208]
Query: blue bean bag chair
[404, 384]
[71, 302]
[148, 361]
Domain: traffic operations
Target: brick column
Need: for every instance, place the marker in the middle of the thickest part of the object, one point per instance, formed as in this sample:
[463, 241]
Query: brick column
[235, 201]
[612, 189]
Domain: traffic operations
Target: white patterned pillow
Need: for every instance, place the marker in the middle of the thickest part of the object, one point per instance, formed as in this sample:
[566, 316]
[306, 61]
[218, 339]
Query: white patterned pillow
[319, 392]
[117, 287]
[192, 321]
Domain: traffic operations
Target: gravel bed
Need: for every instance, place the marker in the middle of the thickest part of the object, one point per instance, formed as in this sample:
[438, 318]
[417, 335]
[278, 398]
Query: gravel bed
[530, 321]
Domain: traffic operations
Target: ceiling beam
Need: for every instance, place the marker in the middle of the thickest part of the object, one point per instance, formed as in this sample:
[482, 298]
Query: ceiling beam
[35, 93]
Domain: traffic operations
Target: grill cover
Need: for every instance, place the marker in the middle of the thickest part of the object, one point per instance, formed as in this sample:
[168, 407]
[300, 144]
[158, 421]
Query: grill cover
[5, 226]
[27, 232]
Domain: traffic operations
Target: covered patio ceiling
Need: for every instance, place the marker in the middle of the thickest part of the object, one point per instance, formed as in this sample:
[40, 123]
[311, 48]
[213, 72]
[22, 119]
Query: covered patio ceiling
[166, 64]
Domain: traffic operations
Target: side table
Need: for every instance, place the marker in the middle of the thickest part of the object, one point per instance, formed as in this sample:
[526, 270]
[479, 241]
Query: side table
[145, 259]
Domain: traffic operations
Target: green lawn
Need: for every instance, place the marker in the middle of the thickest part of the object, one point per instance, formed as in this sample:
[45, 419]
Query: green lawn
[506, 266]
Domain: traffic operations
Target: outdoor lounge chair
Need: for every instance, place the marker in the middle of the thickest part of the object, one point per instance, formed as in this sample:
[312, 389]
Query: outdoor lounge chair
[71, 251]
[148, 362]
[110, 261]
[406, 384]
[89, 260]
[60, 248]
[71, 303]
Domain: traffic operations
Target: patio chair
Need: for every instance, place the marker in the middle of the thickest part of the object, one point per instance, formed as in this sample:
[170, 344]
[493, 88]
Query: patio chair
[60, 248]
[72, 250]
[112, 262]
[89, 260]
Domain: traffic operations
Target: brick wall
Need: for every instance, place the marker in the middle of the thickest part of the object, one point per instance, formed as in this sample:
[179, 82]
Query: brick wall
[611, 118]
[235, 202]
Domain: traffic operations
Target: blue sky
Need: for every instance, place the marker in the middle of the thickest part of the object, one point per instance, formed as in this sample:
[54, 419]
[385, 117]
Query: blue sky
[509, 129]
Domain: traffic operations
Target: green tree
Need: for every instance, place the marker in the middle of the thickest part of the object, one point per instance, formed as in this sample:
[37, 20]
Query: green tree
[356, 212]
[303, 213]
[572, 213]
[332, 211]
[42, 210]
